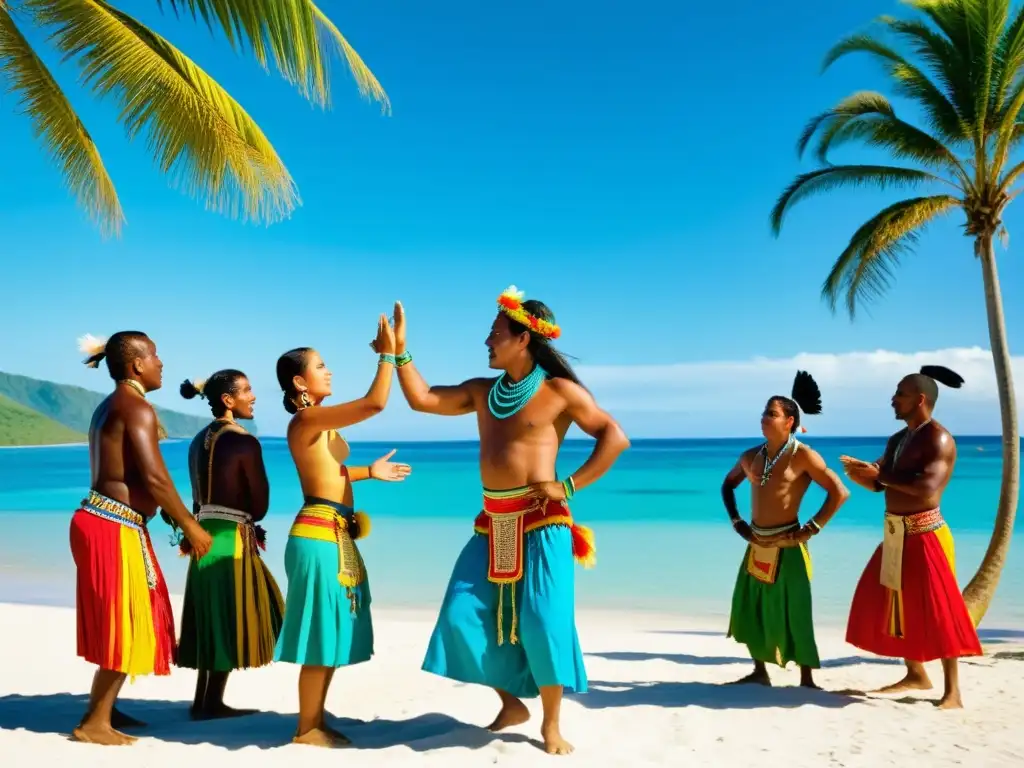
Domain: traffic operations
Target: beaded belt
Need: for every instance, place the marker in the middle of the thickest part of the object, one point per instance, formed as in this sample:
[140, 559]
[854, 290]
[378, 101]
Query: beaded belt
[764, 533]
[340, 525]
[253, 536]
[116, 512]
[922, 522]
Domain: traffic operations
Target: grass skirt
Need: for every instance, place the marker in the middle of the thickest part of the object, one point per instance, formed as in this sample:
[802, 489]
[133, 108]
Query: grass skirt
[233, 609]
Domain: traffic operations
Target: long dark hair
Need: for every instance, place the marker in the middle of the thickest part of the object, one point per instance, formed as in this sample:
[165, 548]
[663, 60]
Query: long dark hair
[289, 365]
[221, 383]
[541, 350]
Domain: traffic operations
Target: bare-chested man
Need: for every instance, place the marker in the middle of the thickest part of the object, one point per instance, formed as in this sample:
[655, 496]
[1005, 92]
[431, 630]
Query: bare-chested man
[233, 609]
[508, 617]
[327, 621]
[771, 604]
[125, 625]
[907, 604]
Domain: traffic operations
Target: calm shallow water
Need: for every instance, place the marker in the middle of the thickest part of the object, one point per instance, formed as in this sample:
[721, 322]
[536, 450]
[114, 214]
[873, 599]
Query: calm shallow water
[663, 538]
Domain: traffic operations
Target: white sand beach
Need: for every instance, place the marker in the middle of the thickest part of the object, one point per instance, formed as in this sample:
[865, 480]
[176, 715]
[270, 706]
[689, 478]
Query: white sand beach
[655, 699]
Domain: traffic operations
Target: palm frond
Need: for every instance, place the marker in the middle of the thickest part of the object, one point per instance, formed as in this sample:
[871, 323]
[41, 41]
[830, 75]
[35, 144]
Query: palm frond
[201, 137]
[289, 32]
[908, 81]
[365, 80]
[869, 117]
[1011, 55]
[864, 270]
[58, 127]
[826, 179]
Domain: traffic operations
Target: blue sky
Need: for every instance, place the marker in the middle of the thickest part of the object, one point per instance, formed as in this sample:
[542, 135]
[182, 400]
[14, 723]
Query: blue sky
[619, 165]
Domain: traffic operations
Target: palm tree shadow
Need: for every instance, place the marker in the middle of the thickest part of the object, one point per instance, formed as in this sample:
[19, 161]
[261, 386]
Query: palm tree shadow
[169, 721]
[603, 695]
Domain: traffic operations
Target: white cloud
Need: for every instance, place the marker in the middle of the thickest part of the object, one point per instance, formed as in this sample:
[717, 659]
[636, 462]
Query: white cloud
[725, 397]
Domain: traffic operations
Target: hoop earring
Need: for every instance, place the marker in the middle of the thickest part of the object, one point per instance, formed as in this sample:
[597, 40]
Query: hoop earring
[304, 401]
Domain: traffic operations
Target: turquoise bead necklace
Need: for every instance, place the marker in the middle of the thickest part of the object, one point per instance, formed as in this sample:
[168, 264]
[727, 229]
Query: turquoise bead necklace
[507, 399]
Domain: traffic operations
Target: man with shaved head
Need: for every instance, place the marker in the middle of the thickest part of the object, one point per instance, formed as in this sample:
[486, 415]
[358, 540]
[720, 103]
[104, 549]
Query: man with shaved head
[125, 625]
[907, 604]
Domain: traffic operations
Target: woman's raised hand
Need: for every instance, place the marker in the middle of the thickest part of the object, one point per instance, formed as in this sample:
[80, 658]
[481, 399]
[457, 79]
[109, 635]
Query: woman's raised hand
[384, 344]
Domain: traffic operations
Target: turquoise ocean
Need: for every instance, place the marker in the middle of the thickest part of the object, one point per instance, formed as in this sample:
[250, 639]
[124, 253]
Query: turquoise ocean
[664, 542]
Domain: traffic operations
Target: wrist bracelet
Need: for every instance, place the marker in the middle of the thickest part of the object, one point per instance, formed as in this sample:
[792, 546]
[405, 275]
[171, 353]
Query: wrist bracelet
[385, 358]
[735, 521]
[403, 359]
[569, 486]
[815, 524]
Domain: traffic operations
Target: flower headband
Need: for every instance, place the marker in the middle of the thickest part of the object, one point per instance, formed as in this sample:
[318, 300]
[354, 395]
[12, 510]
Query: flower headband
[511, 303]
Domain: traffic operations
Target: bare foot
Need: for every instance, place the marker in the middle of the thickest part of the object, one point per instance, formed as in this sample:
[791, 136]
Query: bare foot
[950, 701]
[119, 719]
[807, 679]
[757, 676]
[321, 737]
[106, 735]
[908, 683]
[220, 712]
[338, 735]
[554, 744]
[513, 712]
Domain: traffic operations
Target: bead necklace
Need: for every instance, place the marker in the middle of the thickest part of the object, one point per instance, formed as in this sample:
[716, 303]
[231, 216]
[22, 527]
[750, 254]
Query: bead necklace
[769, 464]
[134, 385]
[506, 399]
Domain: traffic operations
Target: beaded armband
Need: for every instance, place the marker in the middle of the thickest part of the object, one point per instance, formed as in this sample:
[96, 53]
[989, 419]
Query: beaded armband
[384, 358]
[403, 359]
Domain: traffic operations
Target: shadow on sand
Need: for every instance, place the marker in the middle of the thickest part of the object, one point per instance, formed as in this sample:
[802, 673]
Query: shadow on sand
[168, 721]
[714, 661]
[603, 695]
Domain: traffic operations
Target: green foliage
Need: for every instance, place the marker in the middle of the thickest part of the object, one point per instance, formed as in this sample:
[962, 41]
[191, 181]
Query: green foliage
[23, 426]
[73, 407]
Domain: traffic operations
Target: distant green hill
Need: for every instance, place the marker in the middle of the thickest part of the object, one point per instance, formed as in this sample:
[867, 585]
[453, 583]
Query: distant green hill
[73, 407]
[23, 426]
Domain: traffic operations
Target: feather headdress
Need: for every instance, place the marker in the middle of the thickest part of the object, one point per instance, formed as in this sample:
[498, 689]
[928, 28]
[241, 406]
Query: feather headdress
[93, 348]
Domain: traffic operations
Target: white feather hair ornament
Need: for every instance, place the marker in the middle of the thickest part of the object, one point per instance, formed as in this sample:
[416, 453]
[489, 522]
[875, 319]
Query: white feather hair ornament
[199, 385]
[92, 347]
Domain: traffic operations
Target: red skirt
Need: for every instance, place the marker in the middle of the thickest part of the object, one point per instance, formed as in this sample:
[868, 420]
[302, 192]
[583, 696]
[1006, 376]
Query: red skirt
[924, 621]
[124, 625]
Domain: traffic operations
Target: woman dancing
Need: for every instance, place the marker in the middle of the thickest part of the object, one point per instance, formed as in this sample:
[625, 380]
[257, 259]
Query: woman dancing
[327, 621]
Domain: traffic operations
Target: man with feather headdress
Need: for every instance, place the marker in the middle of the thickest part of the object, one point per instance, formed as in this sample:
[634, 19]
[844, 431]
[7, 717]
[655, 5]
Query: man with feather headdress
[771, 604]
[907, 604]
[125, 624]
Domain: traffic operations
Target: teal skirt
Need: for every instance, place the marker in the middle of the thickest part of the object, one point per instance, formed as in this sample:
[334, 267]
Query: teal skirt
[464, 645]
[775, 621]
[325, 624]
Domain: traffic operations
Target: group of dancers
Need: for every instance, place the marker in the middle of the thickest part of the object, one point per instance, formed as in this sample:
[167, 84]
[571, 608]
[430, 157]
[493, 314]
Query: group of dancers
[907, 603]
[507, 620]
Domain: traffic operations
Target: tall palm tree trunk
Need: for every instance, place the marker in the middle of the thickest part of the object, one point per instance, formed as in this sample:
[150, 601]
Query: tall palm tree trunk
[980, 591]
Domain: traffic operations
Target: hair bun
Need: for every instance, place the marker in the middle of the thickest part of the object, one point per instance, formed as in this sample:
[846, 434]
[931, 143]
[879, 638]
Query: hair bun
[943, 375]
[190, 389]
[289, 405]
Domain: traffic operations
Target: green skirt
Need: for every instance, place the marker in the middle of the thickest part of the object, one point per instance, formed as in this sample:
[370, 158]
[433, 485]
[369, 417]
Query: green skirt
[233, 608]
[775, 621]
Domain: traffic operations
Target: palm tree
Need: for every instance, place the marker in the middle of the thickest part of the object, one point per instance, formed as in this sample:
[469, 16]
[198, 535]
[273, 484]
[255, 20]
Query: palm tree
[200, 137]
[964, 72]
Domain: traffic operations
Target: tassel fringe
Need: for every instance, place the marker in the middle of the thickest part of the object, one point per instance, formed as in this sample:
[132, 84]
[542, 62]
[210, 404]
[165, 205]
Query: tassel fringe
[583, 547]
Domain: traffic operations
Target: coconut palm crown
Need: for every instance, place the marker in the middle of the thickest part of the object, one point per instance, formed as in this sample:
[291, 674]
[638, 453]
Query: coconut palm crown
[200, 137]
[961, 65]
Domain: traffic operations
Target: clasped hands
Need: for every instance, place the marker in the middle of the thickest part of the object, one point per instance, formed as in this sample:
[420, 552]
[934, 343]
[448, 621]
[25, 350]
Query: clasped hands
[860, 471]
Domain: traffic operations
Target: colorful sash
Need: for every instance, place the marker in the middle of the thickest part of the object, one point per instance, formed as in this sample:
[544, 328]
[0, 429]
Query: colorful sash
[254, 537]
[896, 528]
[324, 520]
[762, 561]
[506, 518]
[116, 512]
